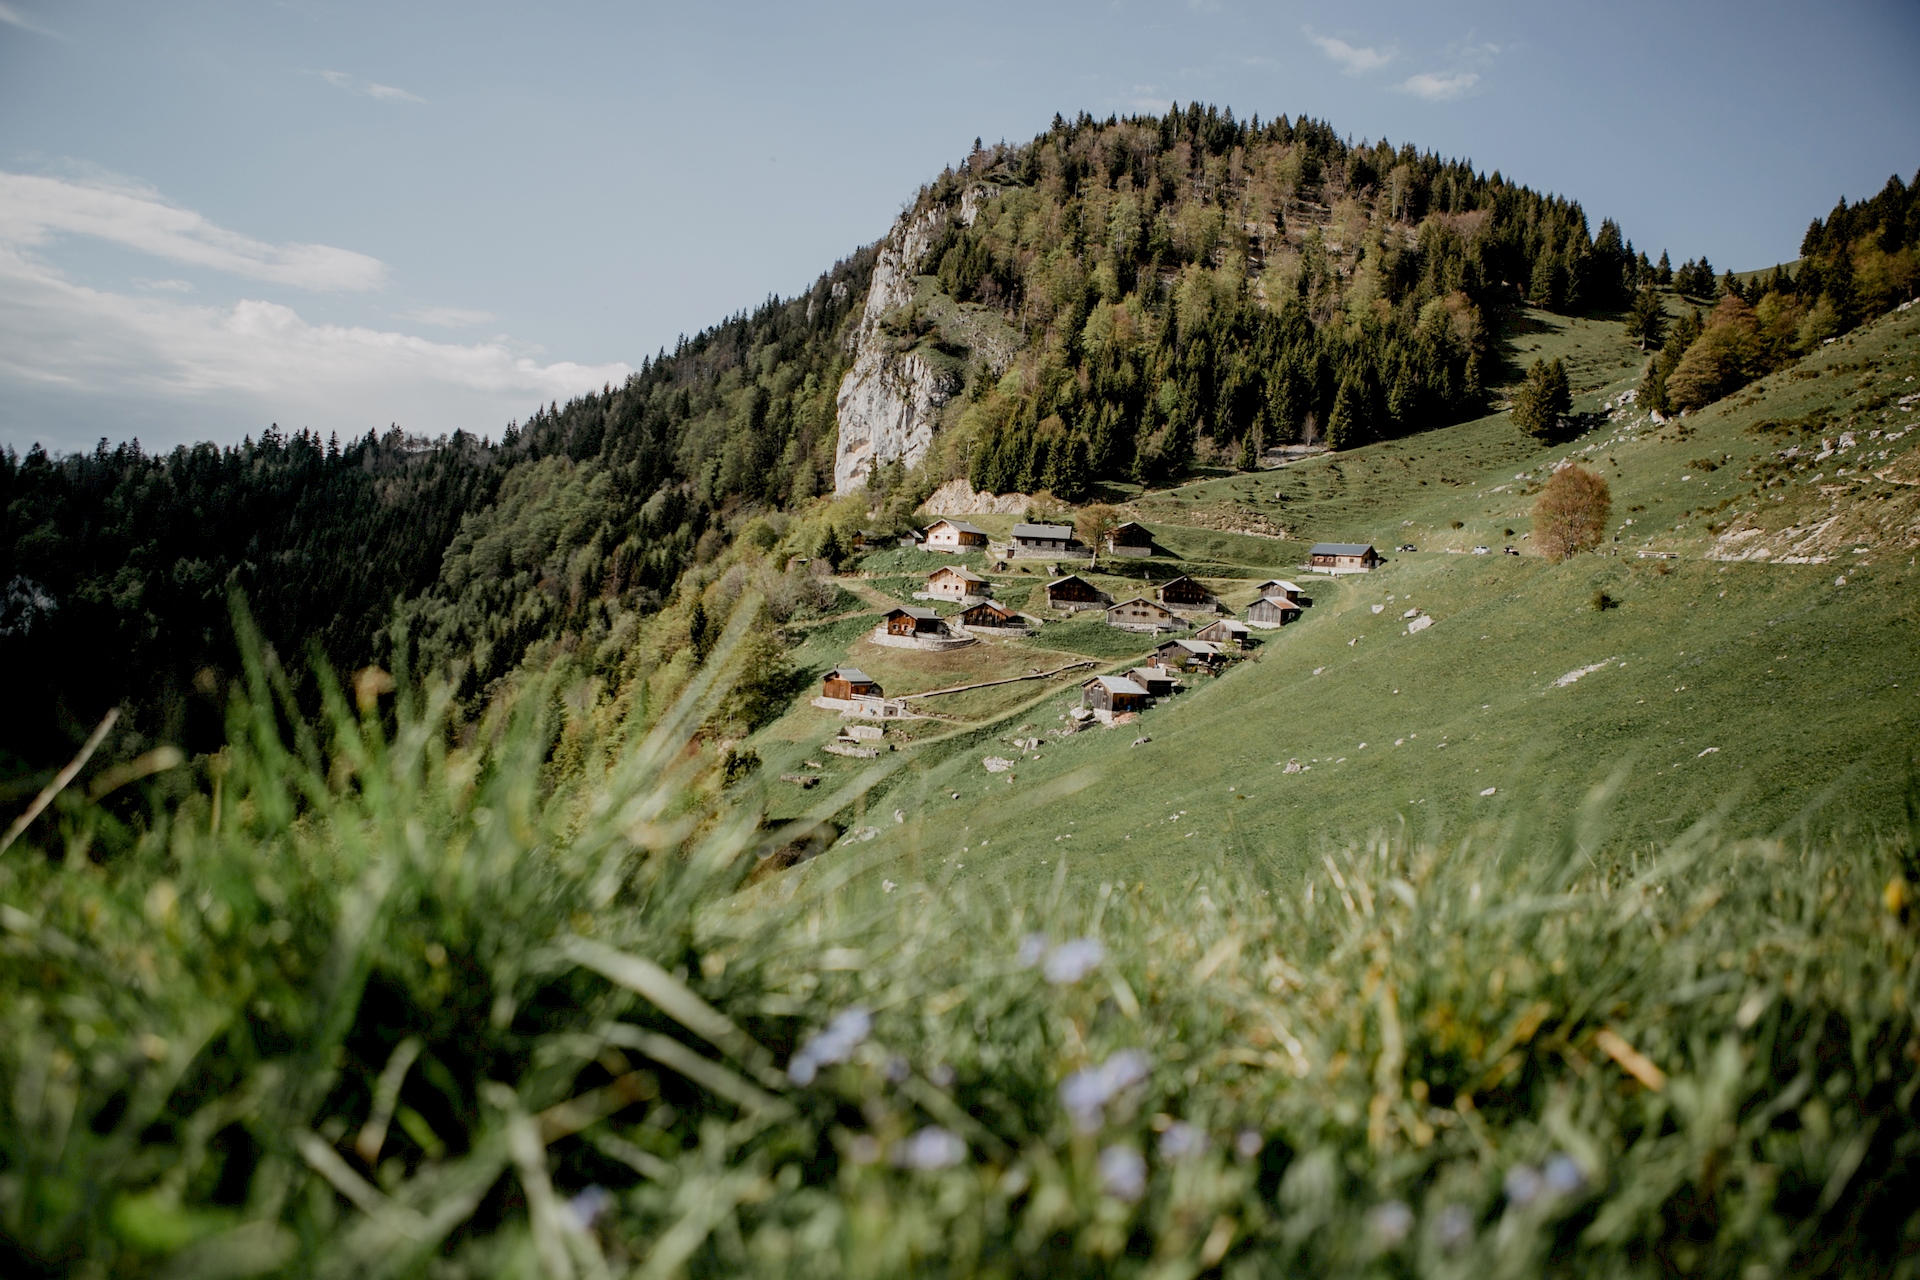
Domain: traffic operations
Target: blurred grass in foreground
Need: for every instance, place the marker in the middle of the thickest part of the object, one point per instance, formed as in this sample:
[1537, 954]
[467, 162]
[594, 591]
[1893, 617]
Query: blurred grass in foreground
[416, 1002]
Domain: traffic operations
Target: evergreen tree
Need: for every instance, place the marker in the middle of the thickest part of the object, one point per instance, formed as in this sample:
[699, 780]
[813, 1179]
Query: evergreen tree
[1348, 426]
[1543, 399]
[1663, 274]
[1646, 322]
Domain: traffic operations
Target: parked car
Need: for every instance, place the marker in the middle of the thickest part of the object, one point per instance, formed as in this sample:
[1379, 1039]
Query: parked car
[1483, 551]
[1406, 546]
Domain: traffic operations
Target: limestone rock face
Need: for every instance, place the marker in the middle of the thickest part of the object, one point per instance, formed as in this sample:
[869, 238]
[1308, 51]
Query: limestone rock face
[957, 498]
[889, 400]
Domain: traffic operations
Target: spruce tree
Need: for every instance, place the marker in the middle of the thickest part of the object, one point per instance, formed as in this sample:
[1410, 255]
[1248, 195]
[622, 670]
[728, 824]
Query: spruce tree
[1347, 425]
[1646, 322]
[1543, 399]
[1663, 274]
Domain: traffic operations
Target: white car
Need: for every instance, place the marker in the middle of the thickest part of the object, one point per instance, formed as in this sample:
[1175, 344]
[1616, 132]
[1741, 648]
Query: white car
[1481, 551]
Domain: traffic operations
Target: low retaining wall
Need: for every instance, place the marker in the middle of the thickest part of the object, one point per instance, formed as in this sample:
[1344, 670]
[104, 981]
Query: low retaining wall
[927, 644]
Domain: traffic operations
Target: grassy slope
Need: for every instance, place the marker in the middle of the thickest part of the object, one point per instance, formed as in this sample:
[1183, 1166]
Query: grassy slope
[1807, 688]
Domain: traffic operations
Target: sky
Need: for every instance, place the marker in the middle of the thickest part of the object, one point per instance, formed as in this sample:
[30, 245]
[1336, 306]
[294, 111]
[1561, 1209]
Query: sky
[219, 216]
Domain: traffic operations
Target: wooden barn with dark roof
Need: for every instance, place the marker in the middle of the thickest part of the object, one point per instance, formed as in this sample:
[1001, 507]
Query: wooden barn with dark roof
[847, 682]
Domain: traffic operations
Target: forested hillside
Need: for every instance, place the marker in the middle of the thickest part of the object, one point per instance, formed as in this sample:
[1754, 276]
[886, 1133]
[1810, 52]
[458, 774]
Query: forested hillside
[119, 566]
[1197, 287]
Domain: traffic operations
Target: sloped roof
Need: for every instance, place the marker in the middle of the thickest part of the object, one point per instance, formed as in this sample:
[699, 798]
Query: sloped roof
[1132, 524]
[1230, 624]
[1341, 548]
[958, 571]
[1276, 602]
[1206, 647]
[1055, 532]
[918, 615]
[1281, 583]
[1151, 604]
[1072, 577]
[852, 675]
[961, 525]
[1118, 684]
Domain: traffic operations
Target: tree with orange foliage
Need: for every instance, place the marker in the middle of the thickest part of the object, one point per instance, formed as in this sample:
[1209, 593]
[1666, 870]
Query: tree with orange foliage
[1571, 514]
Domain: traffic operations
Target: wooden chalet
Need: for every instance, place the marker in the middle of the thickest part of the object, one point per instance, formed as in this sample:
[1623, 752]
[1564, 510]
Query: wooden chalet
[1349, 557]
[1157, 681]
[953, 535]
[1271, 611]
[849, 682]
[1114, 695]
[1184, 593]
[1180, 654]
[1280, 589]
[956, 582]
[1073, 593]
[1043, 540]
[1142, 614]
[990, 614]
[1225, 631]
[909, 621]
[1130, 539]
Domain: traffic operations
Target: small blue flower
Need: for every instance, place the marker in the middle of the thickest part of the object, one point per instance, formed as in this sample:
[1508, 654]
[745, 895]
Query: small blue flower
[1072, 961]
[1086, 1093]
[1033, 948]
[930, 1148]
[589, 1205]
[1123, 1173]
[1182, 1140]
[1564, 1176]
[1389, 1223]
[1454, 1227]
[1522, 1185]
[843, 1035]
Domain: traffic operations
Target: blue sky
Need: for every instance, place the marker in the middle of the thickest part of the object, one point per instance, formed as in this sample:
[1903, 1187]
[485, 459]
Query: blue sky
[339, 215]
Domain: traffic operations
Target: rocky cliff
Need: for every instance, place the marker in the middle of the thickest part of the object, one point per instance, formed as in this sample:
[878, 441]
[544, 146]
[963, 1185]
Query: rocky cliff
[891, 398]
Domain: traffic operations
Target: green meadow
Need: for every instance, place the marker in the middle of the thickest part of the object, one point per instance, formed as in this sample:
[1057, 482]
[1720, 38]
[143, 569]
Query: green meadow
[1762, 698]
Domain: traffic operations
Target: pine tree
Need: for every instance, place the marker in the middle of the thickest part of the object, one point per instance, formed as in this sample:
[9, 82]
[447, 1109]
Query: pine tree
[1663, 274]
[1347, 425]
[1646, 322]
[1543, 399]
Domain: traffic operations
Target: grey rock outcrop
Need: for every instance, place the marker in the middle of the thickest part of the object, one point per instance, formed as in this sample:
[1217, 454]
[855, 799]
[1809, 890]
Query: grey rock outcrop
[890, 400]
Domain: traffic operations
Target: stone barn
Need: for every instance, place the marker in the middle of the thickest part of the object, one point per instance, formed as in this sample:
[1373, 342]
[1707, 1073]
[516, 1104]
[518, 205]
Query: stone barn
[954, 535]
[990, 615]
[1185, 593]
[1073, 593]
[1130, 539]
[909, 621]
[1043, 540]
[957, 582]
[1343, 557]
[1142, 614]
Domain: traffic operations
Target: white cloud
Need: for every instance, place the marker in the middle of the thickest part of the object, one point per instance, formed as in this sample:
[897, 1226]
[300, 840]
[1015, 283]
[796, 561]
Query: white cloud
[77, 362]
[14, 18]
[1439, 86]
[367, 88]
[34, 209]
[1352, 59]
[449, 317]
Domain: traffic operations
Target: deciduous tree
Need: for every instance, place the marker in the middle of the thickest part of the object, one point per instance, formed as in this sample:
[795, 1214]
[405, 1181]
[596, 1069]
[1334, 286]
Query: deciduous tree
[1570, 516]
